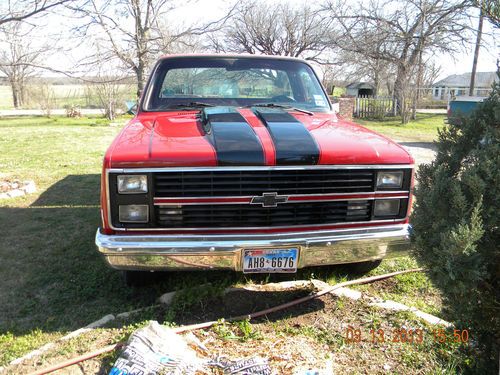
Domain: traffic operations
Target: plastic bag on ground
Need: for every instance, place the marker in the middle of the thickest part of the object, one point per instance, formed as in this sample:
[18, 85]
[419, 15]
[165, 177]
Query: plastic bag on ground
[155, 349]
[245, 366]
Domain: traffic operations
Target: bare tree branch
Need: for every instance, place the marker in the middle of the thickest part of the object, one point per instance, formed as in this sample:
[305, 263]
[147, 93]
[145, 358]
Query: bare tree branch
[135, 33]
[491, 9]
[17, 56]
[399, 33]
[21, 10]
[261, 28]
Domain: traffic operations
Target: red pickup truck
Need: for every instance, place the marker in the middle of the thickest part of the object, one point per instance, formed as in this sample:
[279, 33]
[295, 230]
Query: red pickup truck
[238, 162]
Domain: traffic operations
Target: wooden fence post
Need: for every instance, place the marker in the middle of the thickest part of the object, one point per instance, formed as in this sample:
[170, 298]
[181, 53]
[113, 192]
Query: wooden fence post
[371, 106]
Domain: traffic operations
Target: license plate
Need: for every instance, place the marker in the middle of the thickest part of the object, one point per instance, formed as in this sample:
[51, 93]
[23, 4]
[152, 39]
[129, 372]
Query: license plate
[270, 260]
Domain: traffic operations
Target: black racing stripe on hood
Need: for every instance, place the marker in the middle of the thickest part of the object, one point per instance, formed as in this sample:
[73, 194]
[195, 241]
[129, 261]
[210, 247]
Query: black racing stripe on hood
[233, 139]
[293, 143]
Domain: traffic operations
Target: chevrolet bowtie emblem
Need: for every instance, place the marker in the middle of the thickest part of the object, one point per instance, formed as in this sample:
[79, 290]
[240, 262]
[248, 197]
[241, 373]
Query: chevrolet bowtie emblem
[269, 199]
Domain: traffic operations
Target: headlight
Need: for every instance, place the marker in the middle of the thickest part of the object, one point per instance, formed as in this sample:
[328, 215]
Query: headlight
[390, 179]
[132, 184]
[133, 213]
[386, 207]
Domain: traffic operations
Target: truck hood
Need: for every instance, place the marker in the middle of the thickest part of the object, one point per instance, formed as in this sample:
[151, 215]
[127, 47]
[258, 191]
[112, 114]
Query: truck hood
[225, 136]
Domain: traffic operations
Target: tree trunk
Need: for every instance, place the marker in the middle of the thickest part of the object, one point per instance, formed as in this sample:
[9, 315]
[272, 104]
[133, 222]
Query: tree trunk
[139, 73]
[476, 53]
[376, 83]
[15, 99]
[390, 89]
[16, 95]
[22, 93]
[400, 92]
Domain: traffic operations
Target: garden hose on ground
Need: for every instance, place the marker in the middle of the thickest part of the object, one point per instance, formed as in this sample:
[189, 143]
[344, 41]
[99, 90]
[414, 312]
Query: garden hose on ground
[254, 315]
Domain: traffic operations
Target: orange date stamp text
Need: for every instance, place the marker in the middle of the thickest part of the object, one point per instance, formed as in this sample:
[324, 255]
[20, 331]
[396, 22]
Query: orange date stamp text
[405, 335]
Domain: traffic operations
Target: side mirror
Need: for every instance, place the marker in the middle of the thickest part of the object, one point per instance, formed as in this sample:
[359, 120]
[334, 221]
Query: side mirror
[131, 107]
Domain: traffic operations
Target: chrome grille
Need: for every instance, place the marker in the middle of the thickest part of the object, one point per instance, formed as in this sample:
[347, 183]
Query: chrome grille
[250, 183]
[237, 215]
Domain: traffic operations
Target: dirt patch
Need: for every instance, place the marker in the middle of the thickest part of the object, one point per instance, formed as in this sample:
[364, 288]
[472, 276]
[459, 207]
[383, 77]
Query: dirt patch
[237, 303]
[310, 336]
[314, 335]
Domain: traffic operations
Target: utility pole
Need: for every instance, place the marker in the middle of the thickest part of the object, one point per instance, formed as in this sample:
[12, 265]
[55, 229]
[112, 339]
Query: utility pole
[476, 51]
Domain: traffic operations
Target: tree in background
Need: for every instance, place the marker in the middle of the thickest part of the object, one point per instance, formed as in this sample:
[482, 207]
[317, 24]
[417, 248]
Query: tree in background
[491, 9]
[134, 33]
[109, 88]
[110, 93]
[457, 225]
[18, 57]
[399, 33]
[359, 67]
[274, 29]
[43, 95]
[125, 31]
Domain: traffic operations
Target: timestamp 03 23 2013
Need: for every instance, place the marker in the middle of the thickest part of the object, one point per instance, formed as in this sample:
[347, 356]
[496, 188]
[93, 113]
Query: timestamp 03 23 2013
[416, 336]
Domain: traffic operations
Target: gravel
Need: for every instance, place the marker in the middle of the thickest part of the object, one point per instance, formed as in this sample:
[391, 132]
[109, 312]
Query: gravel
[423, 152]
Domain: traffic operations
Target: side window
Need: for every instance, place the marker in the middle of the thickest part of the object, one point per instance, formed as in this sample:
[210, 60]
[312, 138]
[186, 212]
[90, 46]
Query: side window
[312, 90]
[268, 83]
[282, 85]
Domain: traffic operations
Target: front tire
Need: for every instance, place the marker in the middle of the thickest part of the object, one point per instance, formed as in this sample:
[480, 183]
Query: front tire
[137, 278]
[363, 267]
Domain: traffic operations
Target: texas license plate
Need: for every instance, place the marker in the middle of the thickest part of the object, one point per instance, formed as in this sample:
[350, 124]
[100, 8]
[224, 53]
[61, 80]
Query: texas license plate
[270, 260]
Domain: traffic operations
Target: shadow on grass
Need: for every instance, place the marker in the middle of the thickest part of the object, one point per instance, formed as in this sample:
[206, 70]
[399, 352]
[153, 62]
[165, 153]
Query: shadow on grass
[53, 278]
[73, 190]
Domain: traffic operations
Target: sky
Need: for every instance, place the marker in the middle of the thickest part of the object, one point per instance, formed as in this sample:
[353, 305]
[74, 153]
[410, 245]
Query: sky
[201, 11]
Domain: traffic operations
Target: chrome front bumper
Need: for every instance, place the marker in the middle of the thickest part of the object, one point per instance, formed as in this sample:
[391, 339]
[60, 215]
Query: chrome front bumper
[206, 252]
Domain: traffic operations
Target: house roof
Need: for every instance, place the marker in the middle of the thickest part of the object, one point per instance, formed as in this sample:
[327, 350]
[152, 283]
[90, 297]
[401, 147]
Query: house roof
[360, 85]
[483, 79]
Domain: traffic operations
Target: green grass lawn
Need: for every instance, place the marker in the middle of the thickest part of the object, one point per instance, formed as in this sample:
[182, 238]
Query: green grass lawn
[423, 129]
[54, 281]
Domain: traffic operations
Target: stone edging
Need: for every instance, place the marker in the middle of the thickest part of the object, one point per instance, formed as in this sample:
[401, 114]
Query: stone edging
[167, 298]
[13, 189]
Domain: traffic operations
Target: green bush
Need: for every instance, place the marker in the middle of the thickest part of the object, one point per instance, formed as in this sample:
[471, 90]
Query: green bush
[457, 225]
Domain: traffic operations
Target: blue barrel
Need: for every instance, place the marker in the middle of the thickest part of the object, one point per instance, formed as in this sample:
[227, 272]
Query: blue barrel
[463, 105]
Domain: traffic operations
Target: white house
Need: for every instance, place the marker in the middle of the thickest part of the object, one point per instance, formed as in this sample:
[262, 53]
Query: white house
[458, 85]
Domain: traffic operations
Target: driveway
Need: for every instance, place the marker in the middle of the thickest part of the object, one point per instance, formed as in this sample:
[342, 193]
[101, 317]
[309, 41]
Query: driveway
[440, 111]
[423, 152]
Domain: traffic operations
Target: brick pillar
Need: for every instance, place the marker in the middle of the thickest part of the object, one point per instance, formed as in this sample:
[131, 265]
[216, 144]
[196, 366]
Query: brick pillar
[346, 107]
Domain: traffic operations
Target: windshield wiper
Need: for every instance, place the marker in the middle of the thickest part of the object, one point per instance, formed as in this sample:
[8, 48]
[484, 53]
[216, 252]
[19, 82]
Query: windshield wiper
[190, 105]
[283, 106]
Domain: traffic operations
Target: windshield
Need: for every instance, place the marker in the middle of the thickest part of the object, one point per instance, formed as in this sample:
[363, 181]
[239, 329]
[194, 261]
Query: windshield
[186, 81]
